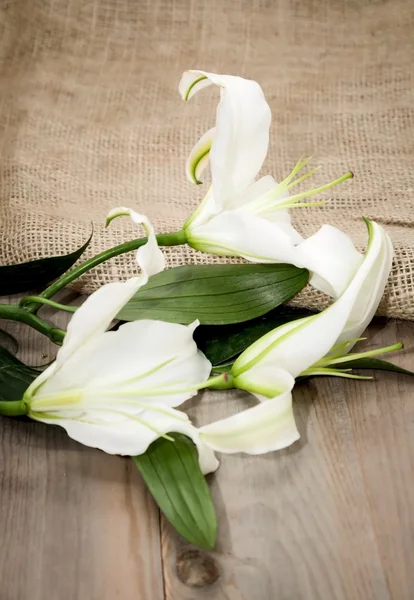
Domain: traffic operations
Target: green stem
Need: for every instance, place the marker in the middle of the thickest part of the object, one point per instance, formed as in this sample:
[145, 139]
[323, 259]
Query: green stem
[221, 382]
[165, 239]
[16, 313]
[14, 408]
[40, 300]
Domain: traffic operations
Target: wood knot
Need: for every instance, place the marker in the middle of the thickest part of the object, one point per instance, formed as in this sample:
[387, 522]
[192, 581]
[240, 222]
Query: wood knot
[195, 568]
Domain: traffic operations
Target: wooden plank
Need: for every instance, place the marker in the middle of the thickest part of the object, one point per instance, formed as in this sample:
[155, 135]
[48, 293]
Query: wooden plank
[332, 517]
[383, 426]
[75, 523]
[329, 519]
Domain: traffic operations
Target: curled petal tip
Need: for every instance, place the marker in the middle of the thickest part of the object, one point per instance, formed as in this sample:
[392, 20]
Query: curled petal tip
[199, 157]
[193, 179]
[117, 212]
[191, 82]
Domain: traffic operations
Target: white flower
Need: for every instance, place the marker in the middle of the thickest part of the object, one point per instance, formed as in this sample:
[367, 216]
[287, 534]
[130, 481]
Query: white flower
[243, 217]
[117, 390]
[269, 366]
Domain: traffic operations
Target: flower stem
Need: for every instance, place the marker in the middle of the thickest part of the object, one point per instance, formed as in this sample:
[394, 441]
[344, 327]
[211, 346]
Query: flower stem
[16, 313]
[39, 299]
[221, 382]
[14, 408]
[165, 239]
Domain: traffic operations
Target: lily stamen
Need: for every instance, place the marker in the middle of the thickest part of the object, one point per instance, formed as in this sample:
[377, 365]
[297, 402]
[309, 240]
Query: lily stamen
[345, 373]
[272, 201]
[302, 178]
[357, 355]
[323, 188]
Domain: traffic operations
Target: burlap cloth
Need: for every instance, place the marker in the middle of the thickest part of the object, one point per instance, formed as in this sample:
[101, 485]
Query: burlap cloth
[90, 117]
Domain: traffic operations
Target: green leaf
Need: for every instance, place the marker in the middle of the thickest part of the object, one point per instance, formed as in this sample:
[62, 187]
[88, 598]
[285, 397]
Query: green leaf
[172, 473]
[15, 377]
[373, 363]
[36, 273]
[221, 343]
[215, 294]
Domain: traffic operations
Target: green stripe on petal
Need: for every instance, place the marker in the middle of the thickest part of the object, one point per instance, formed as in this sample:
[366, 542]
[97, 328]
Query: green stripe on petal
[191, 82]
[192, 86]
[121, 211]
[199, 157]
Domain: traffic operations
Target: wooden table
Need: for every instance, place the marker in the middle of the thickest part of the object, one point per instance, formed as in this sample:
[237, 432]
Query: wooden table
[331, 518]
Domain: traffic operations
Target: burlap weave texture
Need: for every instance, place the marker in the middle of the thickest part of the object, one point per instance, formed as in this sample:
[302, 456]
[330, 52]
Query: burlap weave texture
[90, 117]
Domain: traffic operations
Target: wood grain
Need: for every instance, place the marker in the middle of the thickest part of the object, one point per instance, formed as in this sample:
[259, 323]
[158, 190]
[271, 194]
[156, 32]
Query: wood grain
[75, 523]
[331, 518]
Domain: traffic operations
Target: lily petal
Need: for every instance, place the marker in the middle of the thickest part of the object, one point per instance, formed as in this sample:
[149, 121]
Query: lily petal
[242, 131]
[92, 319]
[255, 191]
[206, 209]
[143, 360]
[247, 201]
[363, 311]
[149, 257]
[199, 157]
[191, 82]
[97, 312]
[298, 345]
[263, 428]
[236, 233]
[130, 436]
[88, 323]
[117, 391]
[265, 382]
[332, 257]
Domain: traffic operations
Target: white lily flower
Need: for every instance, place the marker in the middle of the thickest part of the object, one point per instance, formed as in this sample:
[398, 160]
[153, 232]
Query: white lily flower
[117, 390]
[268, 367]
[240, 216]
